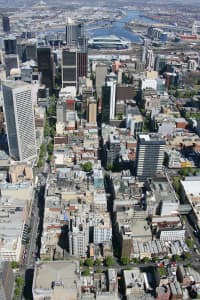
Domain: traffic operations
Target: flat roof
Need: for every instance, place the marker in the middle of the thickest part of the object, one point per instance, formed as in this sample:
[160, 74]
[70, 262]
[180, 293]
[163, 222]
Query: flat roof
[56, 271]
[151, 138]
[15, 84]
[191, 185]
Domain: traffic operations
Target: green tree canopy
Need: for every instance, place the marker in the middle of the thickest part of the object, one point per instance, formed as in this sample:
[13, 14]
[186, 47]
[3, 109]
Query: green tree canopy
[14, 264]
[19, 281]
[125, 260]
[109, 261]
[175, 257]
[87, 167]
[190, 242]
[187, 255]
[97, 262]
[86, 272]
[145, 260]
[89, 262]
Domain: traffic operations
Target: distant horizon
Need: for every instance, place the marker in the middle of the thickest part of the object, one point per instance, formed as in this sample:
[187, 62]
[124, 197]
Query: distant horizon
[27, 3]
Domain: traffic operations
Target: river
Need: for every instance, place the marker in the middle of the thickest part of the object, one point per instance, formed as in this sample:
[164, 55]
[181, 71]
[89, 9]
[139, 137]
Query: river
[118, 27]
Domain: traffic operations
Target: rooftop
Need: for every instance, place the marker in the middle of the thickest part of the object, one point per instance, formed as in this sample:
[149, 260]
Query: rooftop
[151, 138]
[191, 185]
[15, 84]
[57, 277]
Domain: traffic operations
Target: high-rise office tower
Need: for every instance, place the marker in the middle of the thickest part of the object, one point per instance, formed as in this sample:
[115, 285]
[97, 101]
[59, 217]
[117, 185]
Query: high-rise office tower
[150, 60]
[11, 62]
[112, 84]
[150, 155]
[69, 67]
[21, 50]
[82, 56]
[75, 37]
[10, 45]
[31, 50]
[109, 99]
[73, 32]
[82, 64]
[20, 123]
[46, 67]
[92, 111]
[4, 24]
[161, 63]
[101, 72]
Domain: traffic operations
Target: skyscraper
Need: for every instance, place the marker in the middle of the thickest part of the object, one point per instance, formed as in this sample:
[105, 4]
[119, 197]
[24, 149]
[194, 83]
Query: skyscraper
[73, 32]
[100, 74]
[4, 24]
[69, 67]
[150, 60]
[150, 155]
[109, 99]
[31, 50]
[75, 38]
[82, 56]
[92, 111]
[10, 45]
[20, 123]
[46, 67]
[11, 62]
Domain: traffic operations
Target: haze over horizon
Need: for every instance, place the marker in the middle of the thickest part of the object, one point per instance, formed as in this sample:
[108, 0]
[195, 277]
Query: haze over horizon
[27, 3]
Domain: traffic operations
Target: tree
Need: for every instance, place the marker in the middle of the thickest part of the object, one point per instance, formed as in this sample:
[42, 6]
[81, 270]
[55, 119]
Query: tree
[17, 291]
[87, 167]
[46, 128]
[98, 271]
[19, 281]
[135, 260]
[109, 261]
[185, 171]
[125, 260]
[109, 167]
[52, 131]
[190, 242]
[14, 265]
[42, 149]
[175, 257]
[86, 272]
[187, 256]
[177, 184]
[145, 260]
[97, 262]
[155, 258]
[40, 163]
[89, 262]
[50, 147]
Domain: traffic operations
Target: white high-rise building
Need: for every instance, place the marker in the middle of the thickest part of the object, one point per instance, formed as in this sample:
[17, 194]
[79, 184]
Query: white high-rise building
[102, 230]
[20, 123]
[78, 242]
[150, 60]
[112, 84]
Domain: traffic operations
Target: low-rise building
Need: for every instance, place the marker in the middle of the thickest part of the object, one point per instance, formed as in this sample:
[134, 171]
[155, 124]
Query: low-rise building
[134, 283]
[56, 280]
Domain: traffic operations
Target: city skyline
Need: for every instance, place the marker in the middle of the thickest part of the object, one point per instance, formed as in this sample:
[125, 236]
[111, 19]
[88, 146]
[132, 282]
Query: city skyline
[99, 150]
